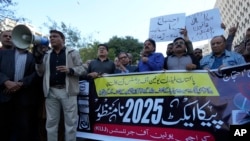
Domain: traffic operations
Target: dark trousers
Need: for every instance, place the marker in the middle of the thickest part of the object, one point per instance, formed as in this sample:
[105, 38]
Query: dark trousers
[5, 121]
[26, 124]
[18, 122]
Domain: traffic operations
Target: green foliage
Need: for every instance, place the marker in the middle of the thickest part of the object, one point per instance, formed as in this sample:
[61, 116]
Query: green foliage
[72, 34]
[89, 52]
[127, 44]
[116, 45]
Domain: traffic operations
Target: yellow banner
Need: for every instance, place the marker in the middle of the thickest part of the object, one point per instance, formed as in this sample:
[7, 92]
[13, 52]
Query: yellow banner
[158, 84]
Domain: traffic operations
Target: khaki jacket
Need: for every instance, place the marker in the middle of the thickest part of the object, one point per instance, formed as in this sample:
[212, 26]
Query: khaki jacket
[73, 60]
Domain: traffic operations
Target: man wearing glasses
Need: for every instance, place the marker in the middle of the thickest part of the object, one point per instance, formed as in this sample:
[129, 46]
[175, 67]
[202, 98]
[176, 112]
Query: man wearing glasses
[181, 59]
[101, 65]
[124, 65]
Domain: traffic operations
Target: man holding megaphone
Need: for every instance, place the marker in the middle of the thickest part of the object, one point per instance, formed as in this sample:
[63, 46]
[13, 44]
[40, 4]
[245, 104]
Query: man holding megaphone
[60, 67]
[17, 96]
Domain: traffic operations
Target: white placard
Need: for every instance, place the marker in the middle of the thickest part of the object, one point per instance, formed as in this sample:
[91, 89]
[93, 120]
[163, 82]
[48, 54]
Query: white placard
[204, 25]
[166, 28]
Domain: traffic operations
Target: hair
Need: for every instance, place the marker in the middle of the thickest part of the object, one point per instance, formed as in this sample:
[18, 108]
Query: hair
[170, 44]
[105, 45]
[58, 32]
[4, 31]
[248, 29]
[223, 37]
[152, 42]
[122, 53]
[198, 49]
[180, 38]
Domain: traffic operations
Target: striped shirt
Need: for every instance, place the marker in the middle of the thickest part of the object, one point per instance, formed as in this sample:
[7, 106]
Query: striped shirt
[20, 62]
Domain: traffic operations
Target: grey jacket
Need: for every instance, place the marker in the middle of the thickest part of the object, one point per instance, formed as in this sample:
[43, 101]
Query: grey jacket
[73, 60]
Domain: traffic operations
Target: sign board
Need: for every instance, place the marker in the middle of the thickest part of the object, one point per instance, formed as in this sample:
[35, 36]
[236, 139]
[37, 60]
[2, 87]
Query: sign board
[164, 105]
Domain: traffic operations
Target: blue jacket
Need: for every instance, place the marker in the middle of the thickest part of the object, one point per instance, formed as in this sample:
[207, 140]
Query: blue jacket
[230, 58]
[155, 63]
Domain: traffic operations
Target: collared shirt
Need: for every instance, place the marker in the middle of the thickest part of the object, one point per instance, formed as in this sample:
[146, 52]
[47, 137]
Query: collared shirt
[57, 77]
[155, 63]
[20, 62]
[230, 58]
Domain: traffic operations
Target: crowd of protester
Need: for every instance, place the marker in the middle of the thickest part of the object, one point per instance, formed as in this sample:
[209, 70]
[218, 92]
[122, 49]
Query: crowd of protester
[40, 88]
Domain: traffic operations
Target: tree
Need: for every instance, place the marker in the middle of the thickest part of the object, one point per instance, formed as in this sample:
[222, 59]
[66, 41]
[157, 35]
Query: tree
[7, 11]
[116, 45]
[88, 47]
[89, 52]
[127, 44]
[72, 34]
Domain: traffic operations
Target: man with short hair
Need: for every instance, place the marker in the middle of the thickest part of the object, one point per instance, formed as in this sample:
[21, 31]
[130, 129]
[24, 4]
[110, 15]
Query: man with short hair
[169, 49]
[102, 64]
[123, 65]
[60, 67]
[220, 56]
[5, 39]
[17, 96]
[180, 59]
[150, 60]
[198, 54]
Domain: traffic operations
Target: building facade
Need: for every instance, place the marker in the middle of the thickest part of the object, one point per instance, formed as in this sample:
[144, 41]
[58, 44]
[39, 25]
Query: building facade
[233, 12]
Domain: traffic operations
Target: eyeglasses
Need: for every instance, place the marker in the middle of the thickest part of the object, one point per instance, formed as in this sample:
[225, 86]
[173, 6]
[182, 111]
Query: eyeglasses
[102, 48]
[179, 43]
[123, 57]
